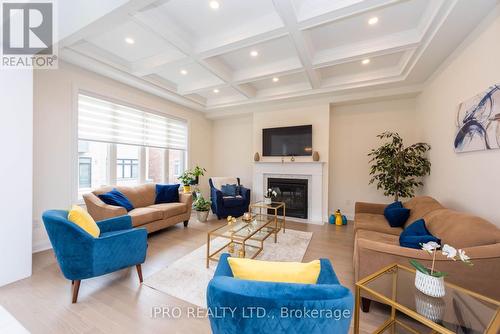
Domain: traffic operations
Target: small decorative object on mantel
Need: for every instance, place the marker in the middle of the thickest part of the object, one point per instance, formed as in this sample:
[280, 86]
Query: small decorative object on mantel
[430, 281]
[292, 159]
[282, 160]
[256, 156]
[315, 156]
[268, 197]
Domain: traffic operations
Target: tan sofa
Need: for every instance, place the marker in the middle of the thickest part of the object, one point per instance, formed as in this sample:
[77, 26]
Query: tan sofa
[376, 244]
[146, 213]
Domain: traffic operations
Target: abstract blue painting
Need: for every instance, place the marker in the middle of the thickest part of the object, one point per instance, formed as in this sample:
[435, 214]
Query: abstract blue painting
[478, 122]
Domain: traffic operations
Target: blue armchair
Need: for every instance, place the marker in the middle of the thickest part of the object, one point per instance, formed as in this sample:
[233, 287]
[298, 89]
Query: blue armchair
[243, 306]
[224, 206]
[82, 256]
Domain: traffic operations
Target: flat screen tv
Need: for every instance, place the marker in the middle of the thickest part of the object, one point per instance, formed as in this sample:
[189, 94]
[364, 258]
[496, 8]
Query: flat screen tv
[292, 140]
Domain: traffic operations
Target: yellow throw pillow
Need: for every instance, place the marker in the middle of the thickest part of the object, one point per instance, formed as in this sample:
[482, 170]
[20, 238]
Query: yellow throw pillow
[82, 218]
[286, 272]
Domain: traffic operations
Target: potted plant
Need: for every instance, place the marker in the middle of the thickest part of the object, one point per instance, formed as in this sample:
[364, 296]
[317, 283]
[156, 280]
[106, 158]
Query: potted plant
[431, 281]
[187, 179]
[268, 197]
[398, 169]
[202, 207]
[197, 172]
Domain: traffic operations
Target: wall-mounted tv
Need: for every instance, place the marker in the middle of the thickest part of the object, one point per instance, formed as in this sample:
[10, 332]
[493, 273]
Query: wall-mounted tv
[292, 140]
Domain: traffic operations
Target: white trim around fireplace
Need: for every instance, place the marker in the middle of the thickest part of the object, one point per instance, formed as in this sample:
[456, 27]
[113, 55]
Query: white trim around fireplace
[312, 171]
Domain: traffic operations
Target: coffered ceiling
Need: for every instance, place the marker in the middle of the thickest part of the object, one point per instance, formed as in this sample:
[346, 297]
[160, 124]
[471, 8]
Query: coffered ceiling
[209, 55]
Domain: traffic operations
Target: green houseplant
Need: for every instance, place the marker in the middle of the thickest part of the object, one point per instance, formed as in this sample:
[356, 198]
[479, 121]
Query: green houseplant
[397, 169]
[202, 207]
[187, 178]
[197, 172]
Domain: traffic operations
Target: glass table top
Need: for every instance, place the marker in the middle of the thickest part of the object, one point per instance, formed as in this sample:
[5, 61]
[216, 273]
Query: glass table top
[273, 205]
[460, 310]
[256, 228]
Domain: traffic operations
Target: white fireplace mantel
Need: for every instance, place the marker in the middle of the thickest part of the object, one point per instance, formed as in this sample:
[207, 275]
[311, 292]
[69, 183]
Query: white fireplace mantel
[310, 170]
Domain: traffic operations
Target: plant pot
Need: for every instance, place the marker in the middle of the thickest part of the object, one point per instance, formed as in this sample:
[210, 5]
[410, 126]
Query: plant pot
[202, 216]
[187, 189]
[429, 285]
[267, 200]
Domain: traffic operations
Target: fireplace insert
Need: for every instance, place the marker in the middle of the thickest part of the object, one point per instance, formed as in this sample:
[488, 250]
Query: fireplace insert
[293, 192]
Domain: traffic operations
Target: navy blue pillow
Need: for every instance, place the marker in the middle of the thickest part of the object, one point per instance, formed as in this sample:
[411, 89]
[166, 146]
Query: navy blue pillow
[115, 197]
[396, 214]
[229, 190]
[167, 193]
[416, 234]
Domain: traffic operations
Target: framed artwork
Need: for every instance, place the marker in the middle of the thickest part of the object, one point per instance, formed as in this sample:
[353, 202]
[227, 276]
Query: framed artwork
[478, 122]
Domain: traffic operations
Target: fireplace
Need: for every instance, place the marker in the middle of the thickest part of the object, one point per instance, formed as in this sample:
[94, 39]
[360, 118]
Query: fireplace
[293, 192]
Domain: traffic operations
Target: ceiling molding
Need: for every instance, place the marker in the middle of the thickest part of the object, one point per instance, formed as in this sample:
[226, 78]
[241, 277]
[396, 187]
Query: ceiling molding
[296, 59]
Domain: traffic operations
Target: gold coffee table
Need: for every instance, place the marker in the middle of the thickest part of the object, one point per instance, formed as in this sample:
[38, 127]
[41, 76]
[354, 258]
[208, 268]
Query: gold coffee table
[460, 310]
[279, 220]
[247, 237]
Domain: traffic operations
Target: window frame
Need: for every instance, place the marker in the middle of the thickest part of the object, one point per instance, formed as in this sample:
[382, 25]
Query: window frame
[112, 154]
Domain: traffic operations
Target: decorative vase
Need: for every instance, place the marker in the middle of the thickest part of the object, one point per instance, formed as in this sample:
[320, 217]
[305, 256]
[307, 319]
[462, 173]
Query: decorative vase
[331, 220]
[267, 200]
[187, 188]
[430, 307]
[429, 285]
[256, 156]
[202, 216]
[315, 156]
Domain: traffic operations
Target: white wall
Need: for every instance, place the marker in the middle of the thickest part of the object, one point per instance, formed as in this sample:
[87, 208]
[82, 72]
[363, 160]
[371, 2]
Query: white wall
[16, 172]
[353, 131]
[55, 134]
[232, 140]
[465, 181]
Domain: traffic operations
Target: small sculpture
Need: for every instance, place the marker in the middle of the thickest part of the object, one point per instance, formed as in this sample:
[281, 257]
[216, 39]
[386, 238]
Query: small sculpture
[292, 159]
[315, 156]
[256, 156]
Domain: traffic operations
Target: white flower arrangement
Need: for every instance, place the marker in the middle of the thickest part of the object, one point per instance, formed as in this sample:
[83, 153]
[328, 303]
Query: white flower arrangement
[450, 252]
[270, 193]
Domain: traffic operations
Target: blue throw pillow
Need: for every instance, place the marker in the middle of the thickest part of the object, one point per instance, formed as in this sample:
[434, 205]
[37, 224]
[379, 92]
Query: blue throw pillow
[229, 190]
[167, 193]
[416, 234]
[396, 214]
[115, 197]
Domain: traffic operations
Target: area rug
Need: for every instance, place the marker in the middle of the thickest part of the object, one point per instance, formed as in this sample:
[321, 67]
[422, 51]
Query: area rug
[188, 277]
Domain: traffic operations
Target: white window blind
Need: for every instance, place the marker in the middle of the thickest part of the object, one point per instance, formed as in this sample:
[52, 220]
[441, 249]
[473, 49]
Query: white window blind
[104, 121]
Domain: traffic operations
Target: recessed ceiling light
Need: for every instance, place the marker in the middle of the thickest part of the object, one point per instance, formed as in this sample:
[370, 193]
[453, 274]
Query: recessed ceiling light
[183, 72]
[129, 40]
[216, 91]
[214, 4]
[373, 20]
[276, 79]
[365, 61]
[254, 53]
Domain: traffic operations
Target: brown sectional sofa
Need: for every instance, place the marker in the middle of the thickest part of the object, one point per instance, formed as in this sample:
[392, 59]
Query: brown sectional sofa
[146, 213]
[376, 244]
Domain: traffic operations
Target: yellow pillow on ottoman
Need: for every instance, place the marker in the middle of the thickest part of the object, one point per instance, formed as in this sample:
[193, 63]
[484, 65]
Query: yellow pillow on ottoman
[82, 218]
[285, 272]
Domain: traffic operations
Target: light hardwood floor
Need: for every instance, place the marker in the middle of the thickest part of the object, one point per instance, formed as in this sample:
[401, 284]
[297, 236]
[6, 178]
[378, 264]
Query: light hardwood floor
[116, 303]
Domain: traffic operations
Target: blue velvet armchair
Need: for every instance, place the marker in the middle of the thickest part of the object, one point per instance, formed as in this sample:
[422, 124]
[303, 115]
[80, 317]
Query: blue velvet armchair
[224, 206]
[243, 306]
[82, 256]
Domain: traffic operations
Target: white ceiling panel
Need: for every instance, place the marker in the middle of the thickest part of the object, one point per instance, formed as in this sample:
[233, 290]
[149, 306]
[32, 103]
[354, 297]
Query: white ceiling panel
[270, 55]
[233, 20]
[189, 77]
[397, 18]
[306, 9]
[146, 43]
[386, 62]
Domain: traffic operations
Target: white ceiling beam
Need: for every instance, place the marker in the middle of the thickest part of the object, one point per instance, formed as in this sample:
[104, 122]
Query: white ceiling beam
[287, 13]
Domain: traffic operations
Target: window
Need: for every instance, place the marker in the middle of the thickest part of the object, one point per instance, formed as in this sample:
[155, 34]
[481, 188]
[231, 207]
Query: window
[120, 145]
[85, 172]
